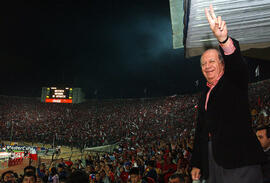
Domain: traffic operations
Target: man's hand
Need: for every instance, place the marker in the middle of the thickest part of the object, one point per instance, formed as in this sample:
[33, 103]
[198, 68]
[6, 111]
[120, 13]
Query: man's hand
[217, 25]
[195, 173]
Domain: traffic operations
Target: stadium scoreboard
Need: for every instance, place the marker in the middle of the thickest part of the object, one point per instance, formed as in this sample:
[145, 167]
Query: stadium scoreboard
[61, 95]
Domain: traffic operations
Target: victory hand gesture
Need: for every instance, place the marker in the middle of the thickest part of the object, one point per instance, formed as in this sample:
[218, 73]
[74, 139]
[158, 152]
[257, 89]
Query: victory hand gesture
[217, 25]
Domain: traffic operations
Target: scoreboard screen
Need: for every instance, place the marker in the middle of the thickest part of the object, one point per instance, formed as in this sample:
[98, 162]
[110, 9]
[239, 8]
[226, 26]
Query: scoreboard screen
[58, 95]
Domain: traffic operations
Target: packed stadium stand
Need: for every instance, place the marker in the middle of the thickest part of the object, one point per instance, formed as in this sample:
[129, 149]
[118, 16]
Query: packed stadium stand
[155, 135]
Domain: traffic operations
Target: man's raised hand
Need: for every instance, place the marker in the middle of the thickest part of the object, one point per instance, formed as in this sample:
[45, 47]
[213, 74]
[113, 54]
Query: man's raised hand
[217, 25]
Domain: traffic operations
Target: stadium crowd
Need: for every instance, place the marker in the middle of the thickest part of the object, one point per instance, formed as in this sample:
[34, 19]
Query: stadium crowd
[97, 122]
[155, 135]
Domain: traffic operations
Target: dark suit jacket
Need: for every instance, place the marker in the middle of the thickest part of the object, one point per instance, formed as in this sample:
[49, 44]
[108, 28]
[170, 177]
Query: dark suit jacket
[266, 168]
[228, 120]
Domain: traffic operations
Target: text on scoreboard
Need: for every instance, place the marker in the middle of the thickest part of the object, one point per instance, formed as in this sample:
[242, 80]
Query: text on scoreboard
[59, 95]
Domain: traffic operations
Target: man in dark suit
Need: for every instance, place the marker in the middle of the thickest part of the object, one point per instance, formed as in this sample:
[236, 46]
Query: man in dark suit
[263, 134]
[226, 149]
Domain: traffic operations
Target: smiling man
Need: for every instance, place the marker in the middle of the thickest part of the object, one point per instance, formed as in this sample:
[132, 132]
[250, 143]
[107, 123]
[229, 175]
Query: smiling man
[212, 65]
[225, 147]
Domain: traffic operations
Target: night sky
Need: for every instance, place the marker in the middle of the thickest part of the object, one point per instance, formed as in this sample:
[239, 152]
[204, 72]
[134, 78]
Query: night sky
[117, 47]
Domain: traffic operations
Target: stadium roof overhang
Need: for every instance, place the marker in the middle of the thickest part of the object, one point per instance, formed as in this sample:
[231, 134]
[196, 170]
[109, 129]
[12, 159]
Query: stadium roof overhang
[248, 21]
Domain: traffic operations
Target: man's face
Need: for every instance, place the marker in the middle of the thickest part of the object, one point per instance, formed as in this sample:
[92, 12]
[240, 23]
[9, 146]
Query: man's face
[176, 180]
[262, 137]
[88, 168]
[43, 167]
[28, 179]
[211, 65]
[134, 178]
[107, 168]
[97, 177]
[59, 169]
[9, 177]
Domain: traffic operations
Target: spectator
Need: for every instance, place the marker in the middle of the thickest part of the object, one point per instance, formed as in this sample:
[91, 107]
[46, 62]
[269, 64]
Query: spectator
[69, 163]
[97, 178]
[53, 176]
[135, 175]
[61, 171]
[8, 177]
[62, 162]
[263, 134]
[150, 173]
[78, 177]
[176, 178]
[30, 169]
[29, 177]
[168, 169]
[123, 174]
